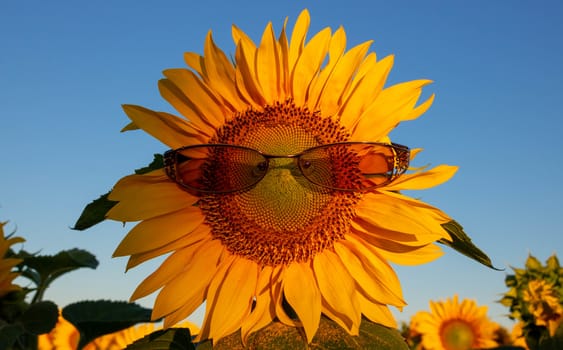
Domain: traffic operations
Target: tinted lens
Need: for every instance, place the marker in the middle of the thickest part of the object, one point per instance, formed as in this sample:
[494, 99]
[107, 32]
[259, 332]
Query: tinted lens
[219, 168]
[351, 166]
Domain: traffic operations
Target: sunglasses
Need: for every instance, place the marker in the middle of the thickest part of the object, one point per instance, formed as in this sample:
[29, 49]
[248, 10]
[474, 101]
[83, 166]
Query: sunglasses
[342, 166]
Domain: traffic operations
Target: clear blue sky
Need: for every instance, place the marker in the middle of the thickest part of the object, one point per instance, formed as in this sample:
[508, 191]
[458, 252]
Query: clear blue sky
[67, 66]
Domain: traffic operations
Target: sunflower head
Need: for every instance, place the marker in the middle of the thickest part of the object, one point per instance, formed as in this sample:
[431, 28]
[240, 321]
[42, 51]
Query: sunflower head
[454, 325]
[280, 196]
[535, 297]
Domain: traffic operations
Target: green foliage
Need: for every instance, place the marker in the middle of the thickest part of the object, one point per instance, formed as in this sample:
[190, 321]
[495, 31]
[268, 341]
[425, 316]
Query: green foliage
[40, 317]
[20, 322]
[44, 269]
[169, 339]
[462, 243]
[95, 212]
[157, 163]
[96, 318]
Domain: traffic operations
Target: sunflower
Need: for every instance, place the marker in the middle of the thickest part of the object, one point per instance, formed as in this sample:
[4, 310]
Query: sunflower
[451, 325]
[544, 304]
[65, 336]
[7, 276]
[280, 197]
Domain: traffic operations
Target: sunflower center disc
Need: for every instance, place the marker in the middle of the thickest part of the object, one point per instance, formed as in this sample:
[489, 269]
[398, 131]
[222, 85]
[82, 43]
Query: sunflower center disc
[457, 335]
[283, 218]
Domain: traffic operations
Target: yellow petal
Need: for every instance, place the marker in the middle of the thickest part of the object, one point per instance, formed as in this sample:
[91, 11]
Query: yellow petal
[336, 48]
[423, 179]
[377, 232]
[417, 256]
[365, 89]
[339, 80]
[129, 127]
[196, 274]
[395, 214]
[298, 35]
[219, 74]
[268, 65]
[184, 106]
[276, 292]
[170, 130]
[383, 239]
[202, 100]
[146, 196]
[199, 234]
[170, 268]
[194, 61]
[432, 211]
[374, 283]
[308, 65]
[261, 315]
[245, 72]
[264, 280]
[190, 305]
[302, 293]
[414, 152]
[393, 105]
[338, 293]
[378, 313]
[241, 38]
[284, 64]
[247, 85]
[230, 296]
[335, 316]
[156, 232]
[366, 66]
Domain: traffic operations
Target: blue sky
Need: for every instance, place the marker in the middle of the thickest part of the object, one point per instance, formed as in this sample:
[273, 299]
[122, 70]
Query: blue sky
[67, 66]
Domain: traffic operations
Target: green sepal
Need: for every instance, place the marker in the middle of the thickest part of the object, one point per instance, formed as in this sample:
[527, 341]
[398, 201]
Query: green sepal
[96, 318]
[330, 335]
[532, 263]
[510, 281]
[462, 243]
[157, 163]
[168, 339]
[552, 263]
[96, 211]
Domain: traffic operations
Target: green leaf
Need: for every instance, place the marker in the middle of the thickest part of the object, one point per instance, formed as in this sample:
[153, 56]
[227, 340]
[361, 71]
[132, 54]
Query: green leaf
[462, 243]
[49, 267]
[44, 269]
[96, 318]
[168, 339]
[157, 163]
[40, 317]
[94, 213]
